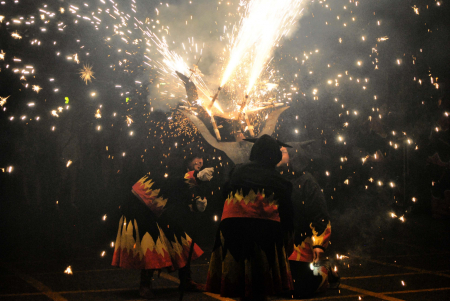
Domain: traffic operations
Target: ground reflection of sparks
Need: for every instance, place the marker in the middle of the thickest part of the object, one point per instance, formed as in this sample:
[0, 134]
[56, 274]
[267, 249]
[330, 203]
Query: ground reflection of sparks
[86, 73]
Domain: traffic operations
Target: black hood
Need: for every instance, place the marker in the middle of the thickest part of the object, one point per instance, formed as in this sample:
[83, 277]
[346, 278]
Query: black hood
[266, 150]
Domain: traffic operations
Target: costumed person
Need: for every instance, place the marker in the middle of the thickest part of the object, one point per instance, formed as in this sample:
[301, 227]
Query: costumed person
[250, 255]
[153, 230]
[312, 227]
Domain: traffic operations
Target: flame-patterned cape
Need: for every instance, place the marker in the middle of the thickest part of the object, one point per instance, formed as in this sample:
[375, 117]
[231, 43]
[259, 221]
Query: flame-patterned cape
[250, 256]
[312, 230]
[311, 221]
[150, 234]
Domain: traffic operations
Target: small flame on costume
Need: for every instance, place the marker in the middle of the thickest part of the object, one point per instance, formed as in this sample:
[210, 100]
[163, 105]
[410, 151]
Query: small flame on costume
[68, 271]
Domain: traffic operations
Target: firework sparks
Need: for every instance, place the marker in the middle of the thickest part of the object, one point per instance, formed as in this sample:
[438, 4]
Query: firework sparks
[129, 120]
[36, 88]
[16, 35]
[2, 55]
[3, 100]
[68, 271]
[262, 27]
[86, 74]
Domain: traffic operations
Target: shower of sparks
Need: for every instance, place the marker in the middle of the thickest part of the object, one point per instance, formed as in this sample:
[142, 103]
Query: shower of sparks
[86, 74]
[3, 100]
[246, 66]
[173, 62]
[36, 88]
[263, 25]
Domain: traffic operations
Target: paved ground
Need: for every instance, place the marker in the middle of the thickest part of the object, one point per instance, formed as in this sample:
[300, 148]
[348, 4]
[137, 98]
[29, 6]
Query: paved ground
[409, 264]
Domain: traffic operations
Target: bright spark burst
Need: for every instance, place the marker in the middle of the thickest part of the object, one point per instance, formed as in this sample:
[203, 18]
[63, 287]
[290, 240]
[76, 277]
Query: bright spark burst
[2, 55]
[86, 73]
[261, 29]
[36, 88]
[16, 35]
[2, 18]
[68, 271]
[3, 100]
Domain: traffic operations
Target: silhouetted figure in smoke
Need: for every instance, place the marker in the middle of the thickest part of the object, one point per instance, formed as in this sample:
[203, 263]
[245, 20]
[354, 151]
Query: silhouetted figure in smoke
[153, 231]
[250, 259]
[312, 227]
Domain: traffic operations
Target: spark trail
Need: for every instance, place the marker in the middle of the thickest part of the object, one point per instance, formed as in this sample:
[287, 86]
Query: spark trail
[264, 23]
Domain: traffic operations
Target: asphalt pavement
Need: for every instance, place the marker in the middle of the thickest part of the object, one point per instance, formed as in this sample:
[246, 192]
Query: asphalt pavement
[408, 263]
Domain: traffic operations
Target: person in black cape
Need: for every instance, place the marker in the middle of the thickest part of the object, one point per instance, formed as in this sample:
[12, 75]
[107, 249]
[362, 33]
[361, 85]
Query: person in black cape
[250, 255]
